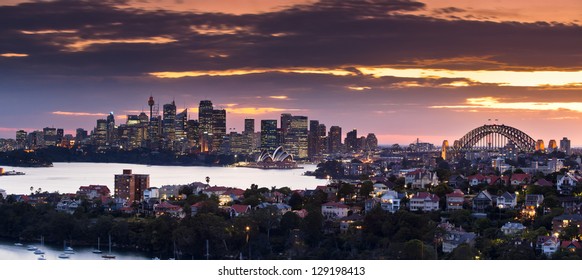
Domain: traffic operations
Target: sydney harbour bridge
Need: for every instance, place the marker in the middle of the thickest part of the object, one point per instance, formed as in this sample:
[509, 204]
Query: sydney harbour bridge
[492, 137]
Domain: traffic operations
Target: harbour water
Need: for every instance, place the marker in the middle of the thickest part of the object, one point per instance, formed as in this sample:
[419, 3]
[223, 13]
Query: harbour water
[68, 177]
[9, 251]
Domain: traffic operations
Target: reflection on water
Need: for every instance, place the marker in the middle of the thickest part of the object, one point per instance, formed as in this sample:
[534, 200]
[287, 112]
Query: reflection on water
[9, 251]
[68, 177]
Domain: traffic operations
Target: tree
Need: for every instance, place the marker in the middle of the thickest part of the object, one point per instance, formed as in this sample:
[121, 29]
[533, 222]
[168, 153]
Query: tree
[296, 201]
[366, 188]
[463, 252]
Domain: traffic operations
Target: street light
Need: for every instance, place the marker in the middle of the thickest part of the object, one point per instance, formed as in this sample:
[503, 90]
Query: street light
[248, 230]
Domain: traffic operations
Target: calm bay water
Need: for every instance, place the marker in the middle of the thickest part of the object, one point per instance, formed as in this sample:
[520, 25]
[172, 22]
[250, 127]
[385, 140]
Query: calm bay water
[8, 251]
[68, 177]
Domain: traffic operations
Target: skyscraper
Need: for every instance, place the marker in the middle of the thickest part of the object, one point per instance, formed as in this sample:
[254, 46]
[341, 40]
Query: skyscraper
[249, 126]
[111, 133]
[169, 125]
[21, 139]
[269, 135]
[335, 139]
[352, 141]
[371, 141]
[205, 116]
[313, 138]
[181, 124]
[218, 130]
[206, 122]
[295, 139]
[565, 146]
[100, 133]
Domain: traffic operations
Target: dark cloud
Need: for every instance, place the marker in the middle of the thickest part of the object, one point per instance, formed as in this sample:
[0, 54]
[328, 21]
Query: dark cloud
[324, 34]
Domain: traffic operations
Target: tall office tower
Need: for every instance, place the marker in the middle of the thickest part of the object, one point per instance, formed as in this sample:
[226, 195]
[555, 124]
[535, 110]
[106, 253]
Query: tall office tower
[269, 135]
[81, 135]
[192, 134]
[322, 139]
[49, 136]
[60, 136]
[352, 141]
[155, 132]
[371, 142]
[111, 134]
[361, 143]
[237, 143]
[285, 124]
[552, 146]
[143, 118]
[249, 126]
[21, 139]
[565, 146]
[335, 139]
[205, 113]
[130, 186]
[218, 130]
[313, 139]
[295, 139]
[32, 139]
[100, 133]
[169, 125]
[181, 125]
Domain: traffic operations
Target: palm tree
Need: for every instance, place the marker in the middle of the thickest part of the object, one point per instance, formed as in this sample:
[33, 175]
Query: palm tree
[207, 180]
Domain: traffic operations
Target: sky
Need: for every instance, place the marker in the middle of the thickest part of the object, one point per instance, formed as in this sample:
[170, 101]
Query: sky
[431, 69]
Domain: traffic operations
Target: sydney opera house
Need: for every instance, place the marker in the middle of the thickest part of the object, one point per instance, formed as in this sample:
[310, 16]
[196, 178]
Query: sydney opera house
[279, 159]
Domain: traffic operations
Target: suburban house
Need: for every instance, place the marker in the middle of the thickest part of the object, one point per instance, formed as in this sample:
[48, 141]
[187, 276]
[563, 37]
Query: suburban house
[453, 237]
[94, 192]
[424, 201]
[239, 209]
[548, 245]
[68, 205]
[571, 246]
[520, 179]
[533, 200]
[512, 228]
[349, 221]
[563, 221]
[390, 201]
[455, 200]
[481, 201]
[456, 181]
[507, 200]
[421, 178]
[166, 208]
[566, 183]
[334, 210]
[280, 208]
[543, 183]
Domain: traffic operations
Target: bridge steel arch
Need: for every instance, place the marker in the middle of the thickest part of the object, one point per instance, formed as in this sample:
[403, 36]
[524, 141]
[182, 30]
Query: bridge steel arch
[523, 141]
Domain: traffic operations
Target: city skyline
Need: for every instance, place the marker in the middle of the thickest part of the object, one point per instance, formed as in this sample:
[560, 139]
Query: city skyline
[403, 70]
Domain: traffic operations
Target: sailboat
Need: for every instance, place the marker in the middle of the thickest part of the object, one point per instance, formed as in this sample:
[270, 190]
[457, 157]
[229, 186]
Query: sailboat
[98, 250]
[109, 256]
[68, 250]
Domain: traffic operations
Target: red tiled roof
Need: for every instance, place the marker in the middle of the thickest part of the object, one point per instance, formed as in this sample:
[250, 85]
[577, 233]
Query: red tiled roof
[520, 177]
[426, 196]
[566, 244]
[335, 204]
[478, 177]
[240, 208]
[544, 183]
[234, 191]
[456, 193]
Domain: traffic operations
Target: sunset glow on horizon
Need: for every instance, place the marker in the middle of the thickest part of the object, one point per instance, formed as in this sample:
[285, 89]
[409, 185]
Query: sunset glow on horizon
[394, 68]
